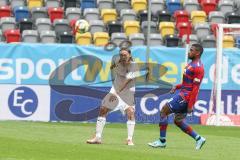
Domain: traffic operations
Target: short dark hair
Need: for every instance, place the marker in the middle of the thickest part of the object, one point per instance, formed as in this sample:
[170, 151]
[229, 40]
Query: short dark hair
[198, 47]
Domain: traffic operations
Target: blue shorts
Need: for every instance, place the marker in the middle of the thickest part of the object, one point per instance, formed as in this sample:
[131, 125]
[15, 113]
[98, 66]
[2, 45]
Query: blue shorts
[177, 104]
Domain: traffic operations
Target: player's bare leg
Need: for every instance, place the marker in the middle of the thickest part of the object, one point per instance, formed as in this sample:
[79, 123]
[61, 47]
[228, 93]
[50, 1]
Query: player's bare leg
[101, 120]
[130, 111]
[163, 123]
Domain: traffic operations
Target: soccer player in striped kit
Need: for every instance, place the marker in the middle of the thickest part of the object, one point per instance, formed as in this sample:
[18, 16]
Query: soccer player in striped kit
[183, 102]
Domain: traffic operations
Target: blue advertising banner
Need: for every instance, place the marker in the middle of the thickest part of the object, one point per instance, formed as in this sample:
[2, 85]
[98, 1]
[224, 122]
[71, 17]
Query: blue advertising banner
[38, 64]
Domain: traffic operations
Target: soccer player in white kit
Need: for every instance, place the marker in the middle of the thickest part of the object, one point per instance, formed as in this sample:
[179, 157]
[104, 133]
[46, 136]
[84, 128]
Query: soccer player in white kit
[120, 97]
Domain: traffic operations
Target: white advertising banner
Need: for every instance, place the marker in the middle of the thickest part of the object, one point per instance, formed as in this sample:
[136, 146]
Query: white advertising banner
[25, 102]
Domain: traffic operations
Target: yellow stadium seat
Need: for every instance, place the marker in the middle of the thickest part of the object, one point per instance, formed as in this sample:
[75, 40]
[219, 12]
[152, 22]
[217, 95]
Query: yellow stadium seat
[198, 17]
[131, 27]
[228, 41]
[166, 28]
[83, 39]
[138, 5]
[100, 38]
[34, 3]
[108, 15]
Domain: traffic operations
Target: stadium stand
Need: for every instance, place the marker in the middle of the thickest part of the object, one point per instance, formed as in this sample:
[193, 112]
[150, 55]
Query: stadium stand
[119, 18]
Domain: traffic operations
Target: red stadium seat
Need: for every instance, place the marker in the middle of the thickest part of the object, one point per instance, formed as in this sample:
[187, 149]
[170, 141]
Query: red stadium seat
[200, 1]
[12, 35]
[55, 13]
[181, 16]
[5, 11]
[184, 28]
[208, 5]
[72, 25]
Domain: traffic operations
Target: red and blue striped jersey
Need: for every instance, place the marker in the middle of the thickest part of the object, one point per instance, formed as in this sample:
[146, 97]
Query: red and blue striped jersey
[192, 78]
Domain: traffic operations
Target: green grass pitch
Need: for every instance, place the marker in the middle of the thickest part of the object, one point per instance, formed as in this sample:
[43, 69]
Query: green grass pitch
[67, 141]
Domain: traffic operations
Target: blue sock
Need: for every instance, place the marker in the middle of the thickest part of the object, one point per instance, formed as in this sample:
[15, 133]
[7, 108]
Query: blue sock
[187, 129]
[163, 128]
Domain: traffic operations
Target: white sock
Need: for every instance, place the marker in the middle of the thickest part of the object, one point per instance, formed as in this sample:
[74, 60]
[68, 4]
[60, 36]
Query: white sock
[130, 128]
[99, 126]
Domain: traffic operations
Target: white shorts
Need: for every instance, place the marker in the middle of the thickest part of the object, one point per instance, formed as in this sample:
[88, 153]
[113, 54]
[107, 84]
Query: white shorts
[118, 104]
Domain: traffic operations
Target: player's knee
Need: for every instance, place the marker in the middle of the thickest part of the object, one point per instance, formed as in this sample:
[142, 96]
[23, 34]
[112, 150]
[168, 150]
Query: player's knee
[103, 111]
[131, 113]
[177, 121]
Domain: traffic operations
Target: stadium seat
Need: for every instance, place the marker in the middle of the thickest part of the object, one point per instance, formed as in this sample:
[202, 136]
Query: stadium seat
[166, 28]
[25, 24]
[184, 28]
[190, 5]
[96, 26]
[143, 16]
[131, 27]
[202, 30]
[43, 24]
[232, 17]
[48, 37]
[55, 13]
[108, 15]
[226, 6]
[171, 41]
[192, 39]
[238, 41]
[61, 25]
[118, 38]
[91, 14]
[52, 3]
[164, 16]
[7, 23]
[30, 36]
[65, 37]
[156, 6]
[181, 16]
[69, 4]
[198, 17]
[105, 4]
[114, 26]
[39, 12]
[137, 39]
[12, 35]
[128, 15]
[173, 5]
[88, 4]
[208, 5]
[5, 11]
[138, 5]
[155, 39]
[73, 13]
[20, 13]
[153, 27]
[34, 3]
[4, 2]
[83, 39]
[209, 41]
[122, 4]
[15, 3]
[228, 41]
[216, 17]
[100, 38]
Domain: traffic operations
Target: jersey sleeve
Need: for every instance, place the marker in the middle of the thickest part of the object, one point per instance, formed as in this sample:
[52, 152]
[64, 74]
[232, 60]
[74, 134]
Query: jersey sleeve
[198, 76]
